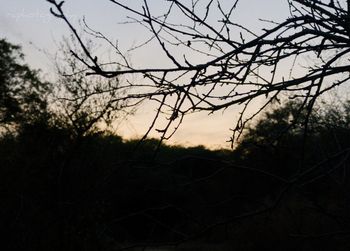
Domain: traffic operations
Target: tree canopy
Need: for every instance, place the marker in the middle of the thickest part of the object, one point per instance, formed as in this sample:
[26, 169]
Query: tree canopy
[23, 95]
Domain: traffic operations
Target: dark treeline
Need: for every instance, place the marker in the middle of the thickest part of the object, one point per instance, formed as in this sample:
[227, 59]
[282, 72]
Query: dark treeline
[284, 187]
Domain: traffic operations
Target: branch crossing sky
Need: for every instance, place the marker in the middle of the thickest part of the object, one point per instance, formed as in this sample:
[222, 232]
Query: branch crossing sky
[30, 24]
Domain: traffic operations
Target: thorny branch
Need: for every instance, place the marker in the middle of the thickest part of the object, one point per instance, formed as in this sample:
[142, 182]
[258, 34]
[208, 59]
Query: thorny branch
[238, 65]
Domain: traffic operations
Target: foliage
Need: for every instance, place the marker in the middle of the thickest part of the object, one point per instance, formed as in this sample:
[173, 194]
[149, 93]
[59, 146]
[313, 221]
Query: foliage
[280, 134]
[77, 103]
[23, 96]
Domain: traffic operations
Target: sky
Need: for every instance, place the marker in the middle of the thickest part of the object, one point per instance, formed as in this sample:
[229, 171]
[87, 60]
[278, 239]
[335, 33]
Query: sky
[30, 24]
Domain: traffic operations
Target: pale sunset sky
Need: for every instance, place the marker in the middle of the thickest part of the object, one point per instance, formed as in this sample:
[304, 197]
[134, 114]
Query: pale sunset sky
[30, 24]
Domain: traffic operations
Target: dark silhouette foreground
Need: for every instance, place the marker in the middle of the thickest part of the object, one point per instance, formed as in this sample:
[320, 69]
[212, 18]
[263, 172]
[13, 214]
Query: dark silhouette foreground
[283, 188]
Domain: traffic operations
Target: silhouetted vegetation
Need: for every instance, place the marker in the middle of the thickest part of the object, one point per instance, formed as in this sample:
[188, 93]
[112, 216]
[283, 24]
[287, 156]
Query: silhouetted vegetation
[285, 186]
[213, 61]
[23, 96]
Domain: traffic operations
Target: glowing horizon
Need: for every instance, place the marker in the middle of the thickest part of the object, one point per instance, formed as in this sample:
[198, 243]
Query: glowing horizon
[33, 27]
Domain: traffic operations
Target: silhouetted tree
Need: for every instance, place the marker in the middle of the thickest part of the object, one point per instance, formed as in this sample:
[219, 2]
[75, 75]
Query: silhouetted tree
[277, 141]
[87, 104]
[23, 95]
[216, 65]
